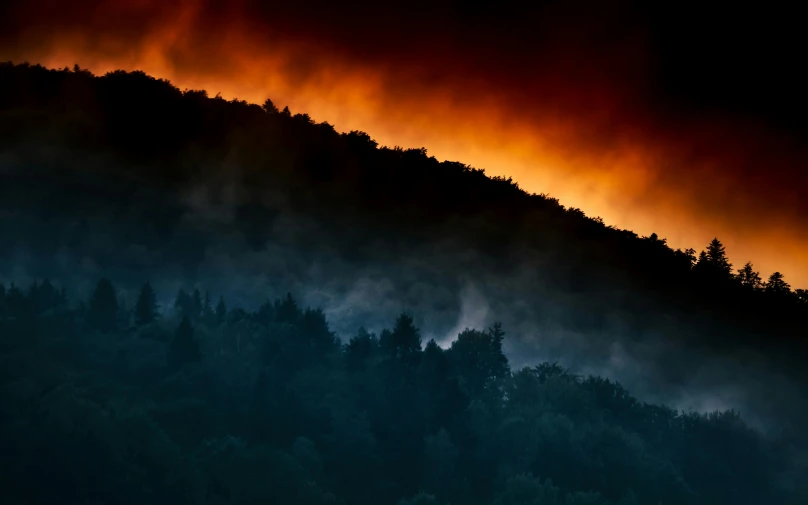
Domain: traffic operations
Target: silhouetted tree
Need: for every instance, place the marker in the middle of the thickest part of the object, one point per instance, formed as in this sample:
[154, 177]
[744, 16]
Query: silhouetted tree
[43, 297]
[196, 304]
[146, 306]
[287, 311]
[360, 349]
[101, 421]
[690, 254]
[405, 339]
[717, 257]
[103, 309]
[356, 415]
[16, 303]
[777, 285]
[208, 315]
[184, 348]
[478, 357]
[221, 311]
[269, 107]
[749, 277]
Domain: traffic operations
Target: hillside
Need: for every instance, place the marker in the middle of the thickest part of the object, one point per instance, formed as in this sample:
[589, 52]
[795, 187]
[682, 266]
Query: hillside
[123, 173]
[205, 403]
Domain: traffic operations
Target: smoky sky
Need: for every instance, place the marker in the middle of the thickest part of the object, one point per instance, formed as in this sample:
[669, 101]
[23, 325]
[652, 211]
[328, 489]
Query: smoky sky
[682, 118]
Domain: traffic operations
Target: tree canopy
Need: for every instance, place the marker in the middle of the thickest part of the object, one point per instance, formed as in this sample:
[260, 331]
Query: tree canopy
[260, 399]
[265, 406]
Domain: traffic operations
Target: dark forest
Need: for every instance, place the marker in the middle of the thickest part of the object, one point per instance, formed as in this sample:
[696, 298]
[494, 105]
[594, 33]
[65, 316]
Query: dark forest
[212, 301]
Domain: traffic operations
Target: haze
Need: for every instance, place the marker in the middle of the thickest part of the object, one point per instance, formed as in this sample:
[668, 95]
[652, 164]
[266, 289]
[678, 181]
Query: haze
[579, 125]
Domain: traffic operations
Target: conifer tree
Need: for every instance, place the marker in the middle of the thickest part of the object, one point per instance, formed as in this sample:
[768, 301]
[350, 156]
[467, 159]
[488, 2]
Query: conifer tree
[286, 310]
[208, 315]
[269, 107]
[146, 306]
[777, 284]
[405, 339]
[196, 304]
[43, 296]
[748, 277]
[221, 311]
[717, 257]
[16, 303]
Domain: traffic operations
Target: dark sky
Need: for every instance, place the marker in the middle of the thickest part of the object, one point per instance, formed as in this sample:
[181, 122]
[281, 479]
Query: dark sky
[680, 118]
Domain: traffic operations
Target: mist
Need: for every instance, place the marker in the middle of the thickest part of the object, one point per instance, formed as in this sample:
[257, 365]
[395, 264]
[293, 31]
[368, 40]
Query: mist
[446, 285]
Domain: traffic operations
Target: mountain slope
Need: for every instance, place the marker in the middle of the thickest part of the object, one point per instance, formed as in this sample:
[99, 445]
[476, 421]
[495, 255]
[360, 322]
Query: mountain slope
[122, 173]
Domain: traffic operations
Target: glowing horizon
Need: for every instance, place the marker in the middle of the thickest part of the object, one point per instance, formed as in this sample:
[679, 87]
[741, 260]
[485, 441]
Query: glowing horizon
[604, 161]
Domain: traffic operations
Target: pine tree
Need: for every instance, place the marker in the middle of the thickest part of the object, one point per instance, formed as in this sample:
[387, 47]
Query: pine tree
[146, 306]
[221, 311]
[405, 339]
[360, 348]
[287, 311]
[777, 284]
[184, 348]
[690, 254]
[717, 257]
[748, 277]
[16, 303]
[478, 357]
[208, 315]
[196, 304]
[269, 107]
[42, 296]
[103, 309]
[500, 362]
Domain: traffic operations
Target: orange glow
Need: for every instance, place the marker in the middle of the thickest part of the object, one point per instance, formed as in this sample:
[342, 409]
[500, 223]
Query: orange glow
[607, 162]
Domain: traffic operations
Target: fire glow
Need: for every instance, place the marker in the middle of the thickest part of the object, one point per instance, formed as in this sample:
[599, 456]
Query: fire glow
[591, 148]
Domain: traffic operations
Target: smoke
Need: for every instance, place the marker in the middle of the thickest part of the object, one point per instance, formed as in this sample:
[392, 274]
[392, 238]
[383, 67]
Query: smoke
[446, 285]
[474, 313]
[562, 100]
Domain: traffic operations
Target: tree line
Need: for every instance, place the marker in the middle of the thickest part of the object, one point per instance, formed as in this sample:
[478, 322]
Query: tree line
[164, 139]
[203, 403]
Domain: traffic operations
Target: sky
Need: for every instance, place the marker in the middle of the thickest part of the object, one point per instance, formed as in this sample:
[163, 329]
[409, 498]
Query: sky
[677, 118]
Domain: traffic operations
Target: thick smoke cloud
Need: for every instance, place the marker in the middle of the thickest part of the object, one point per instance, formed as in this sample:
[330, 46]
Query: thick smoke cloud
[609, 109]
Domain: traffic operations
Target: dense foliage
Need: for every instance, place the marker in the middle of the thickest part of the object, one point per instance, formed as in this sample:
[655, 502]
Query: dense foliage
[111, 394]
[369, 201]
[203, 404]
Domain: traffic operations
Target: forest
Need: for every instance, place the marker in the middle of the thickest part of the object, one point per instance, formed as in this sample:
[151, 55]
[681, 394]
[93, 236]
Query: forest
[196, 377]
[202, 403]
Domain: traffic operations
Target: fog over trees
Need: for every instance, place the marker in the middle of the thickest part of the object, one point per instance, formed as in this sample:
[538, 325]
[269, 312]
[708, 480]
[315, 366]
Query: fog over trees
[449, 337]
[102, 406]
